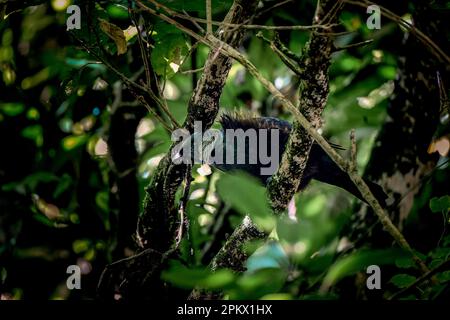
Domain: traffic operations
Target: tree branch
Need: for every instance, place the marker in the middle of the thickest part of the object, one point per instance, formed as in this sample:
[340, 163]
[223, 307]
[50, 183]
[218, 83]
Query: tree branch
[314, 94]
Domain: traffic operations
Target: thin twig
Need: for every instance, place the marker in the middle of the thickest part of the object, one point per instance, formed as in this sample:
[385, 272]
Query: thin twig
[434, 48]
[293, 65]
[353, 153]
[192, 71]
[353, 45]
[232, 25]
[280, 45]
[329, 16]
[444, 101]
[142, 100]
[199, 27]
[260, 13]
[441, 267]
[208, 17]
[141, 44]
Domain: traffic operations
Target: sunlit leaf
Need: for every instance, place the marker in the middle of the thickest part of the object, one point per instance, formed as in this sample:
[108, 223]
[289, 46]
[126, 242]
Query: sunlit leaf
[38, 78]
[277, 296]
[116, 34]
[117, 11]
[170, 50]
[72, 142]
[60, 5]
[12, 108]
[81, 245]
[49, 210]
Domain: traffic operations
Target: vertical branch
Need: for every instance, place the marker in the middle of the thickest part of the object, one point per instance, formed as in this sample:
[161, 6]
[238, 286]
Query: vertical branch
[145, 58]
[314, 94]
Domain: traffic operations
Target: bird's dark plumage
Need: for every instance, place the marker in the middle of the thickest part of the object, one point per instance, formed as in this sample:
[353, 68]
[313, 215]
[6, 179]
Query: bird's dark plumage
[319, 166]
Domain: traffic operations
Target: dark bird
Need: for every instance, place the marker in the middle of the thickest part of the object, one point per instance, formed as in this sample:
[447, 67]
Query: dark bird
[319, 166]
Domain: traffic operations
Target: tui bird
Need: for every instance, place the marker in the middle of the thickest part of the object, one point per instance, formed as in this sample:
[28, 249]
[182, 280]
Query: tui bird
[319, 166]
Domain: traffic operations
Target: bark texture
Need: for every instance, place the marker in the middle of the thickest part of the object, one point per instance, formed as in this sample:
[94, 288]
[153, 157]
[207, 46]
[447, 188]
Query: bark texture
[313, 98]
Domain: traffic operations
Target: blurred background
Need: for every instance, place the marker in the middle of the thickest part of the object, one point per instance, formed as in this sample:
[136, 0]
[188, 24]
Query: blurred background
[77, 149]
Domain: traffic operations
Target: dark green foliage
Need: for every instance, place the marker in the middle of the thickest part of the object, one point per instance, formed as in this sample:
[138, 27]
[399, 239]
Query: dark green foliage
[64, 195]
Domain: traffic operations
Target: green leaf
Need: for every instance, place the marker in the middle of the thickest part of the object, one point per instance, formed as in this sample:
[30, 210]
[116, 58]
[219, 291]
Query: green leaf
[402, 280]
[64, 183]
[30, 182]
[189, 278]
[277, 296]
[258, 284]
[117, 11]
[12, 109]
[81, 245]
[73, 142]
[170, 49]
[359, 261]
[101, 199]
[39, 177]
[388, 72]
[441, 204]
[244, 193]
[404, 262]
[443, 276]
[43, 219]
[34, 133]
[83, 63]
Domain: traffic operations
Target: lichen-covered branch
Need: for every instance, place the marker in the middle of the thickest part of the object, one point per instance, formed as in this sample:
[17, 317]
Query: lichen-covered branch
[314, 94]
[232, 255]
